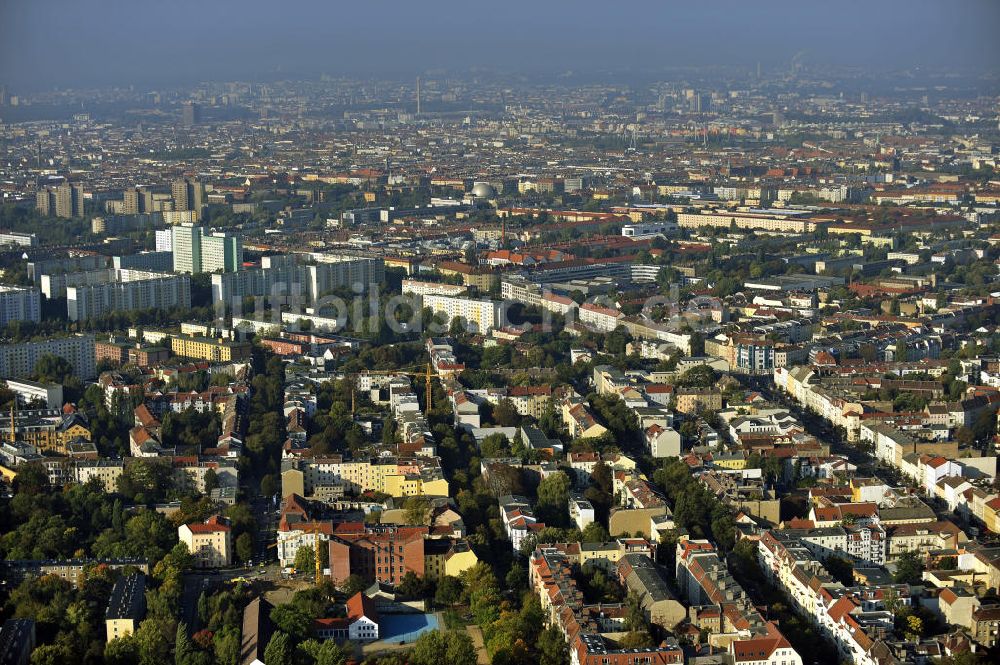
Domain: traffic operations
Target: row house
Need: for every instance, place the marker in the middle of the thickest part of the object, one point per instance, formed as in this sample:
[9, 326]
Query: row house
[583, 626]
[923, 538]
[519, 521]
[855, 619]
[398, 477]
[580, 422]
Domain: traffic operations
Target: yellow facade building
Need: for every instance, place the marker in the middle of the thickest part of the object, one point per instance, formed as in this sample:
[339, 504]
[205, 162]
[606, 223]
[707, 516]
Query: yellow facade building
[205, 348]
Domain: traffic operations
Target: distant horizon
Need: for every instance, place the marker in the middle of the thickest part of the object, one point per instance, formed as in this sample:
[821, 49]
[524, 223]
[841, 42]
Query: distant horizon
[115, 43]
[611, 77]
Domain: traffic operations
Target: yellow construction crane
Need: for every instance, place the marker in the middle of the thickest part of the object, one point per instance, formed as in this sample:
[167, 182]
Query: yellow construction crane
[13, 421]
[314, 528]
[427, 374]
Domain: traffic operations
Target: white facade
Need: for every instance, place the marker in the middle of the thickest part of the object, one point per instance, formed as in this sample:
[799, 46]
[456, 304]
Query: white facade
[649, 229]
[581, 512]
[663, 442]
[209, 545]
[480, 316]
[18, 360]
[419, 288]
[164, 240]
[290, 541]
[362, 629]
[196, 252]
[86, 302]
[50, 393]
[186, 245]
[19, 304]
[221, 252]
[601, 319]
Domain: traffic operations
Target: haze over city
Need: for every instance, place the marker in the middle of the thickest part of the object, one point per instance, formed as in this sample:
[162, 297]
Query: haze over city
[514, 333]
[120, 42]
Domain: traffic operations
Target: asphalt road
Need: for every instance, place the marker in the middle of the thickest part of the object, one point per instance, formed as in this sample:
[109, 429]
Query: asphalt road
[821, 429]
[866, 463]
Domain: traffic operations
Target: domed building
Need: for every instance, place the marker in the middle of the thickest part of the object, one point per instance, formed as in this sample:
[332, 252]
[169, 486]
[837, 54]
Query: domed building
[483, 190]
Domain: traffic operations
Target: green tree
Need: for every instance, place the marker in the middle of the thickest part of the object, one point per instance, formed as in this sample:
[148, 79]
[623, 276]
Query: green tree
[269, 485]
[226, 645]
[495, 445]
[457, 326]
[184, 649]
[411, 586]
[984, 427]
[327, 652]
[279, 650]
[31, 479]
[153, 647]
[244, 547]
[553, 500]
[595, 533]
[50, 368]
[701, 376]
[354, 584]
[449, 591]
[121, 651]
[53, 654]
[435, 647]
[552, 647]
[484, 593]
[145, 480]
[211, 481]
[459, 648]
[505, 414]
[305, 558]
[909, 568]
[417, 510]
[841, 568]
[635, 617]
[292, 620]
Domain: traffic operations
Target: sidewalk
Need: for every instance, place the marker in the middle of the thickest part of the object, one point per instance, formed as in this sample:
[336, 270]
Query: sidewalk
[476, 633]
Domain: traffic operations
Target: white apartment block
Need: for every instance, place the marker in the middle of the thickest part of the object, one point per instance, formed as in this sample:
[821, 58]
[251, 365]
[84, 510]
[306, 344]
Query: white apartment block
[210, 543]
[19, 304]
[663, 441]
[600, 319]
[27, 391]
[282, 275]
[186, 245]
[581, 512]
[419, 288]
[758, 222]
[649, 229]
[195, 252]
[221, 252]
[55, 286]
[290, 541]
[330, 272]
[86, 302]
[21, 239]
[164, 240]
[107, 472]
[175, 217]
[480, 316]
[18, 360]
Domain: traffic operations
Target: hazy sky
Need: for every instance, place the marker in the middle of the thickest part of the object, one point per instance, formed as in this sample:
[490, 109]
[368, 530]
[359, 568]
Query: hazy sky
[46, 43]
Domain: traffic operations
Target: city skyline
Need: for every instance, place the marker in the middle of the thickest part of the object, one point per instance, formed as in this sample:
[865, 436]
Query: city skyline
[84, 44]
